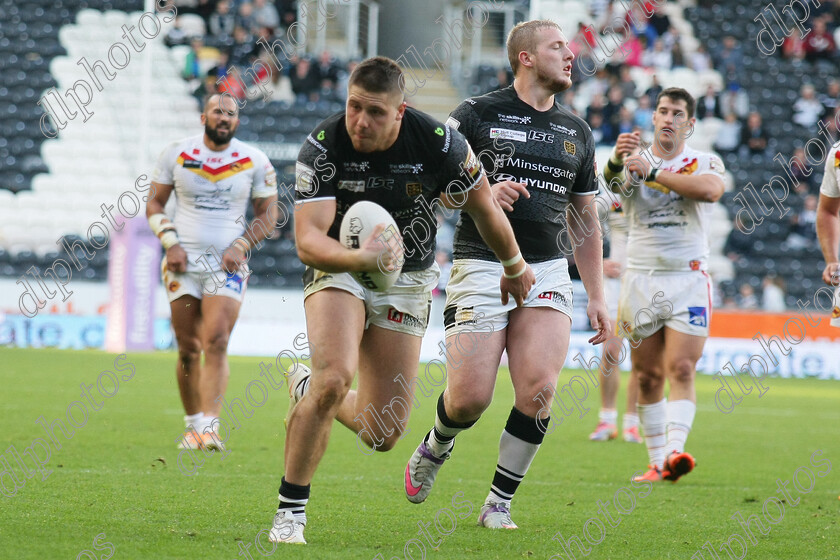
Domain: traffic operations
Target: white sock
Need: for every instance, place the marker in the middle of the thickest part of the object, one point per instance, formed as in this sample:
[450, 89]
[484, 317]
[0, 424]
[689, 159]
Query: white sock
[630, 421]
[608, 416]
[680, 417]
[193, 421]
[207, 424]
[652, 417]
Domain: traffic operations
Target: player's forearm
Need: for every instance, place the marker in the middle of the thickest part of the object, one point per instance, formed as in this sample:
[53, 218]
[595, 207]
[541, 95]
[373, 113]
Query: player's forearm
[589, 257]
[828, 232]
[319, 251]
[264, 223]
[705, 188]
[495, 229]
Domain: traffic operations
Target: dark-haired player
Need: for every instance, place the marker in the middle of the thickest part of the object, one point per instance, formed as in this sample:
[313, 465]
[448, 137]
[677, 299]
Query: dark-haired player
[665, 304]
[382, 151]
[545, 164]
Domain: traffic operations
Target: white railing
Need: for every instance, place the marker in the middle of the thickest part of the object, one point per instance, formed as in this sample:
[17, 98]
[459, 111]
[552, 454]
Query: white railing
[354, 23]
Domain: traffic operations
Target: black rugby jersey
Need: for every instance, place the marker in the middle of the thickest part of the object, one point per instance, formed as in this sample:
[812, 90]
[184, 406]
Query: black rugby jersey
[427, 159]
[552, 152]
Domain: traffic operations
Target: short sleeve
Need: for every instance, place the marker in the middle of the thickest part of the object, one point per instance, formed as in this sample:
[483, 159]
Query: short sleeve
[165, 167]
[586, 182]
[711, 165]
[461, 170]
[830, 186]
[265, 178]
[314, 173]
[465, 120]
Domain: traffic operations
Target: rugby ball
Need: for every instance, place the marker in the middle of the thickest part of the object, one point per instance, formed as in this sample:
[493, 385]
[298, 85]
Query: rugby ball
[356, 226]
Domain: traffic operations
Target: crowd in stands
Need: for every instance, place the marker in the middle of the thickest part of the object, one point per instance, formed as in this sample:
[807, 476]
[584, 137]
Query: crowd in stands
[224, 49]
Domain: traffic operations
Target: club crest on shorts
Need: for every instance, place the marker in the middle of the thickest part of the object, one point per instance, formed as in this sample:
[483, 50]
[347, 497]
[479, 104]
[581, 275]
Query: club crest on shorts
[697, 316]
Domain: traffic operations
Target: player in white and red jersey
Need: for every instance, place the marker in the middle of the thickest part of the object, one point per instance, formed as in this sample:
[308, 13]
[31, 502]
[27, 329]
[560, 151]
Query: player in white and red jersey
[828, 227]
[665, 302]
[207, 247]
[613, 353]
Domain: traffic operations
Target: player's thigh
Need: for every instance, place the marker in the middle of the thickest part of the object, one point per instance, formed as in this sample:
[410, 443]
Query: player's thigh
[681, 353]
[537, 344]
[335, 321]
[383, 356]
[219, 314]
[186, 322]
[472, 365]
[646, 355]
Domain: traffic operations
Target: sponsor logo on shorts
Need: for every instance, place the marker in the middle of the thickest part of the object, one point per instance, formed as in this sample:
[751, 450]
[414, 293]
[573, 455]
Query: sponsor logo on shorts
[569, 147]
[835, 313]
[404, 318]
[560, 128]
[234, 282]
[697, 316]
[694, 265]
[556, 297]
[352, 186]
[507, 134]
[540, 136]
[413, 189]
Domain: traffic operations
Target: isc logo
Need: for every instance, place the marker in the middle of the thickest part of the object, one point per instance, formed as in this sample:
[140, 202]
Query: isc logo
[379, 183]
[541, 136]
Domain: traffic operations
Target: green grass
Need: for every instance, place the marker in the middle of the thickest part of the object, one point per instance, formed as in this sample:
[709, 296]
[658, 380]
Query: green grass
[119, 475]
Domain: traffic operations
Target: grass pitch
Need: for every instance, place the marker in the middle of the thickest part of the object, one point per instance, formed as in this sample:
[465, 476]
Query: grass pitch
[119, 476]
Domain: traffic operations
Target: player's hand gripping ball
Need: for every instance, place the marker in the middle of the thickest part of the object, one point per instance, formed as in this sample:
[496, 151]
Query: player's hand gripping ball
[358, 225]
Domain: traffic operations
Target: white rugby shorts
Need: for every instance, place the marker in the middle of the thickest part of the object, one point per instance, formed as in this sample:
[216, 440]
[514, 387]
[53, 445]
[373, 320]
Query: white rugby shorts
[679, 300]
[404, 307]
[473, 297]
[205, 284]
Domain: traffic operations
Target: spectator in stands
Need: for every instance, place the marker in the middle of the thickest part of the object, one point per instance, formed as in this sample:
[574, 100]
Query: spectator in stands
[327, 70]
[306, 83]
[207, 87]
[654, 90]
[819, 44]
[709, 104]
[739, 244]
[773, 294]
[746, 297]
[626, 83]
[799, 173]
[807, 109]
[677, 57]
[643, 116]
[659, 20]
[623, 123]
[730, 59]
[222, 22]
[176, 35]
[803, 234]
[830, 99]
[735, 100]
[728, 137]
[280, 85]
[753, 135]
[596, 105]
[700, 60]
[793, 47]
[243, 47]
[503, 78]
[266, 15]
[245, 17]
[192, 66]
[615, 100]
[600, 130]
[635, 47]
[233, 84]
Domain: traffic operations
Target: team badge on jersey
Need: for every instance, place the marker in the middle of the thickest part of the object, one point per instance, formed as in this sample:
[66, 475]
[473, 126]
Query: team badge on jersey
[413, 189]
[697, 316]
[689, 168]
[569, 147]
